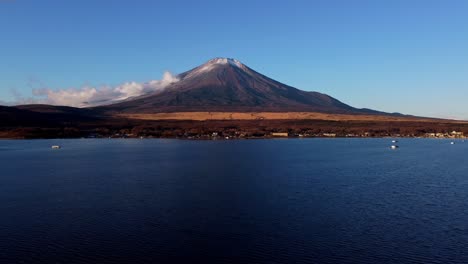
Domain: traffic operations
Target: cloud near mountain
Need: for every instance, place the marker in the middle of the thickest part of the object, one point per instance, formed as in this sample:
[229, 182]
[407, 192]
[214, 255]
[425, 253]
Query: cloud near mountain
[93, 96]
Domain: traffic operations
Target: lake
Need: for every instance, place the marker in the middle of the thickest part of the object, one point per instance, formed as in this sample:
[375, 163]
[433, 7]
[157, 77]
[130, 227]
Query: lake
[233, 201]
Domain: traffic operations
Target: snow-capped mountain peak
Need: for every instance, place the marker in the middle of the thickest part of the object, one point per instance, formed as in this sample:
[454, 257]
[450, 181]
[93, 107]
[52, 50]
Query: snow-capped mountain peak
[230, 61]
[214, 63]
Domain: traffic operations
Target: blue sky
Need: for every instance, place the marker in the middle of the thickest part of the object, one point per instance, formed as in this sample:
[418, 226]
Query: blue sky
[397, 56]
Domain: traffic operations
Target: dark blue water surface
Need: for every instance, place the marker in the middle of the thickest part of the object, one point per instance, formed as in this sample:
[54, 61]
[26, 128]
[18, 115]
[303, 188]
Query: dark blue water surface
[247, 201]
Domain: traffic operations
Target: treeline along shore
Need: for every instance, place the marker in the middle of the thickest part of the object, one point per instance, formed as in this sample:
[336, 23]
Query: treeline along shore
[228, 129]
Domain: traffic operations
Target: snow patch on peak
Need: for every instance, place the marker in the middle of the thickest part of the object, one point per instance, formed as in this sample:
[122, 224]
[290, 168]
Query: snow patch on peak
[236, 63]
[230, 61]
[213, 63]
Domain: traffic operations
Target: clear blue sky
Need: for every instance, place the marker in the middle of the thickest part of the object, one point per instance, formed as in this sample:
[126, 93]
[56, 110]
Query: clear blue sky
[406, 56]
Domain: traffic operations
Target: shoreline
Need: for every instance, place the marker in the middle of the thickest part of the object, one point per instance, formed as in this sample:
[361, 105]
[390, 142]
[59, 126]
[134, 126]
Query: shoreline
[227, 139]
[233, 129]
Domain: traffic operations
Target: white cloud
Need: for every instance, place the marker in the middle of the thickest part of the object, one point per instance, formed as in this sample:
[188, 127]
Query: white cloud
[92, 96]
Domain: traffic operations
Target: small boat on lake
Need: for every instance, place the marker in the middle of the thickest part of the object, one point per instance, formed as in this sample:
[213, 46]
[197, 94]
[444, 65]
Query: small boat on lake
[56, 147]
[394, 147]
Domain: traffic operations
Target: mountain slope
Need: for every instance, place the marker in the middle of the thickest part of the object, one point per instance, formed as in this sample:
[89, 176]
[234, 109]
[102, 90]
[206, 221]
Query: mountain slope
[227, 85]
[43, 115]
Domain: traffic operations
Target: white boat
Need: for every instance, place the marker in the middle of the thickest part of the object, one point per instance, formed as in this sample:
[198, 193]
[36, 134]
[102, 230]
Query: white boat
[452, 143]
[394, 141]
[56, 147]
[394, 147]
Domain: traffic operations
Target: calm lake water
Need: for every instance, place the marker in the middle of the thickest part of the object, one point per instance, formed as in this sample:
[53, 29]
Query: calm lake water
[240, 201]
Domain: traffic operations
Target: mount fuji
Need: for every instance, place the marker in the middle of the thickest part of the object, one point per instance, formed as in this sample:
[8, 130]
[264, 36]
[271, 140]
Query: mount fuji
[227, 85]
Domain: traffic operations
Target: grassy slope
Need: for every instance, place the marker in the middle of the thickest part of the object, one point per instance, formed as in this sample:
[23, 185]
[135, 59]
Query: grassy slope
[202, 116]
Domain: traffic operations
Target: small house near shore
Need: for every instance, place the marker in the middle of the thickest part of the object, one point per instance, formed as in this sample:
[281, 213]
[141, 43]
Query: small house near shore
[280, 134]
